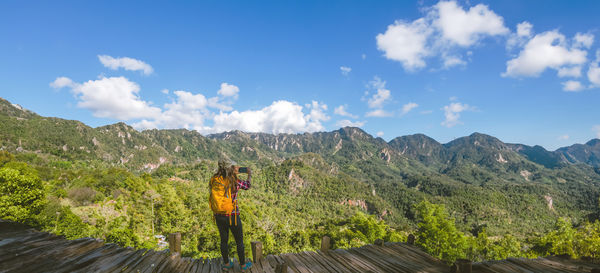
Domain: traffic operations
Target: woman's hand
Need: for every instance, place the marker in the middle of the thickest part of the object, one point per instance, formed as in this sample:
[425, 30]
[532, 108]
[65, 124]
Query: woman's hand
[249, 171]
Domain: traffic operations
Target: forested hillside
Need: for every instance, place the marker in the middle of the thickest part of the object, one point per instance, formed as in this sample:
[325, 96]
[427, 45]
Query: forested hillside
[474, 197]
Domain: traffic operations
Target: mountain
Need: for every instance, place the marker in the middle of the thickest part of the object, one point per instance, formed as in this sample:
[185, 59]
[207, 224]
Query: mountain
[481, 179]
[588, 153]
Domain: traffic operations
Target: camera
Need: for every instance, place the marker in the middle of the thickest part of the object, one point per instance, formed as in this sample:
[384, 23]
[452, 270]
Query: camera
[243, 170]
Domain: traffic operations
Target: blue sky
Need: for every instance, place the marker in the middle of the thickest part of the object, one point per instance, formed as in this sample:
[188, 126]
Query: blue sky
[523, 71]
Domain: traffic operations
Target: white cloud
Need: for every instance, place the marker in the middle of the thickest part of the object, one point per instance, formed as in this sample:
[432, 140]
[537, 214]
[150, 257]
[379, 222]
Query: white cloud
[114, 97]
[379, 98]
[61, 82]
[563, 137]
[379, 113]
[466, 28]
[406, 43]
[452, 113]
[228, 90]
[596, 130]
[187, 111]
[165, 91]
[317, 111]
[382, 94]
[341, 110]
[216, 102]
[524, 29]
[345, 70]
[348, 123]
[125, 63]
[543, 51]
[574, 71]
[408, 107]
[583, 40]
[280, 117]
[380, 134]
[364, 56]
[572, 86]
[450, 61]
[594, 71]
[445, 29]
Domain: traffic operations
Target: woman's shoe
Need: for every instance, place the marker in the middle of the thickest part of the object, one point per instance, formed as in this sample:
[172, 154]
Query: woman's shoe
[246, 266]
[227, 266]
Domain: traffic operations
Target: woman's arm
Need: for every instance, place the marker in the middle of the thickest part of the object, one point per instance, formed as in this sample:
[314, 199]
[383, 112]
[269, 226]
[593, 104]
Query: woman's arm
[245, 184]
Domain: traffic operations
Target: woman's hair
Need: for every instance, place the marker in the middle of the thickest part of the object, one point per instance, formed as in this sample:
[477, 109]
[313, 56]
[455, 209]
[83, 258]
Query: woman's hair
[227, 171]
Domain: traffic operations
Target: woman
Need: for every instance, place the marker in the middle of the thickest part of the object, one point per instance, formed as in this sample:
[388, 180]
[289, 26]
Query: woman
[224, 186]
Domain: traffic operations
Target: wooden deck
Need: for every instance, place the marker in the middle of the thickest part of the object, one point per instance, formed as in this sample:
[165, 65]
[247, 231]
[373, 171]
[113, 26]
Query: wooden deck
[23, 249]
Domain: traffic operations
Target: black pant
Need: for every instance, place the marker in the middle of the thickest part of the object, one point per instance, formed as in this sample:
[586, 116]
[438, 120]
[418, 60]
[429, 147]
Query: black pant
[224, 227]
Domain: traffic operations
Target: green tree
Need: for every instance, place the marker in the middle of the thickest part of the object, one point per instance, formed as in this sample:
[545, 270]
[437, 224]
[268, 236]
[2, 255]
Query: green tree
[21, 193]
[437, 233]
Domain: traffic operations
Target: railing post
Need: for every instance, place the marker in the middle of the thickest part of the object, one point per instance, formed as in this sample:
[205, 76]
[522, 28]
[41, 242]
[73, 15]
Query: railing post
[281, 268]
[325, 243]
[175, 243]
[463, 266]
[411, 239]
[256, 251]
[378, 242]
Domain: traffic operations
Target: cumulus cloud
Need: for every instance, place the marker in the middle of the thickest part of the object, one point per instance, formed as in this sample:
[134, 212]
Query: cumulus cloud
[228, 90]
[61, 82]
[345, 70]
[165, 91]
[114, 97]
[583, 40]
[125, 63]
[341, 110]
[408, 107]
[379, 113]
[406, 42]
[348, 123]
[279, 117]
[381, 96]
[524, 29]
[572, 86]
[545, 50]
[466, 28]
[452, 113]
[574, 72]
[446, 28]
[380, 134]
[594, 71]
[187, 111]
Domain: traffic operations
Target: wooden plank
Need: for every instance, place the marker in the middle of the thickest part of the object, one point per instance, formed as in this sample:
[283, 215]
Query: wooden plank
[323, 261]
[272, 261]
[331, 261]
[313, 264]
[195, 268]
[137, 259]
[163, 261]
[367, 258]
[206, 266]
[343, 262]
[298, 265]
[266, 266]
[145, 264]
[215, 265]
[130, 260]
[291, 264]
[357, 262]
[378, 256]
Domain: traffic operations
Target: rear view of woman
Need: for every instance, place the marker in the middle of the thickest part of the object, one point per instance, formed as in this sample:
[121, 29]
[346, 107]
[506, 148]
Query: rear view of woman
[224, 186]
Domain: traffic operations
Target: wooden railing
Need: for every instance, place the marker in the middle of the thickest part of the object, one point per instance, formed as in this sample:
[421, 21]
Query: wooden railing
[460, 266]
